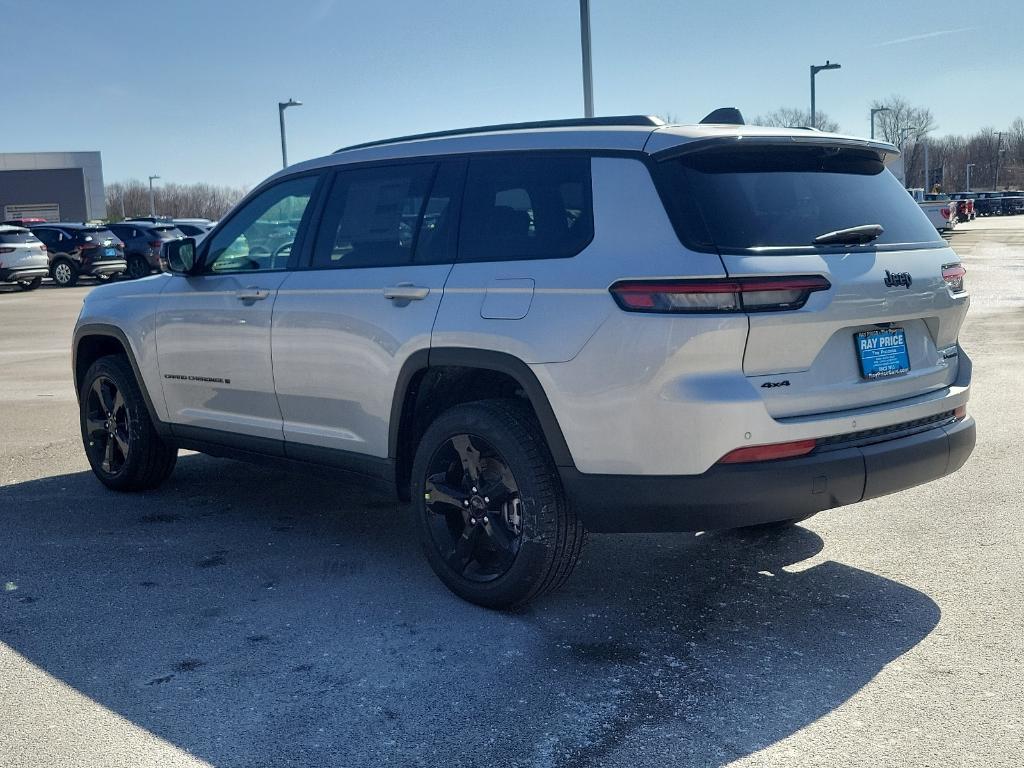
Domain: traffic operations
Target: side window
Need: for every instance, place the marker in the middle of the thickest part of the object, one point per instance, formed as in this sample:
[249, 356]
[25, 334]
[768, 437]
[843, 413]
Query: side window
[260, 235]
[439, 228]
[526, 208]
[372, 216]
[46, 235]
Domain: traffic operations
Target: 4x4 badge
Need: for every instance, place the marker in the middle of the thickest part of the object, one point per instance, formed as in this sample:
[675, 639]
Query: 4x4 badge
[895, 279]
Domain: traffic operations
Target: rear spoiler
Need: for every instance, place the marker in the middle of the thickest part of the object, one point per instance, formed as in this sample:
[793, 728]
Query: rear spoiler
[887, 153]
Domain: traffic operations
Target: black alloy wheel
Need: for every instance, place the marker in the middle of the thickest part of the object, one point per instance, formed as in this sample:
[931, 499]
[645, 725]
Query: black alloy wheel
[107, 426]
[473, 508]
[138, 267]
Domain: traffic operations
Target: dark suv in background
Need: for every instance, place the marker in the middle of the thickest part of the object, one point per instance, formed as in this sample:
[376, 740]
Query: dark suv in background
[144, 245]
[77, 250]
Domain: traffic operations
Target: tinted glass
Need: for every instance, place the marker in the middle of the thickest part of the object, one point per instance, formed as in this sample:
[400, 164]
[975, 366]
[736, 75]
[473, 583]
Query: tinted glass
[167, 232]
[190, 229]
[372, 216]
[526, 208]
[48, 236]
[260, 235]
[95, 234]
[435, 243]
[18, 237]
[785, 197]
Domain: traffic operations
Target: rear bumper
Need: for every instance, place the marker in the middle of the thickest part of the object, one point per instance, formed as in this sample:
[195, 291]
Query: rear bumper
[735, 495]
[22, 274]
[109, 267]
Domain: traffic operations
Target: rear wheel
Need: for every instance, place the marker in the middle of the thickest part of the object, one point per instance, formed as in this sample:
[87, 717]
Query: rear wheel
[490, 511]
[30, 285]
[124, 449]
[64, 273]
[137, 267]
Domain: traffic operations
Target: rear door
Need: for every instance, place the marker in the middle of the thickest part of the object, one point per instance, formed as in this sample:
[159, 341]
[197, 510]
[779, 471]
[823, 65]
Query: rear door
[762, 207]
[344, 326]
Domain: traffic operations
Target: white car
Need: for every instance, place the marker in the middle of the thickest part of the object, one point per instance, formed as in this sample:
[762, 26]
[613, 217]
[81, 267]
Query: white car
[23, 259]
[533, 330]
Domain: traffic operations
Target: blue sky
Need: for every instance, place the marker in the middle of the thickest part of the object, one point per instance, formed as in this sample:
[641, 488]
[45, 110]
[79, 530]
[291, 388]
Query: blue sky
[188, 89]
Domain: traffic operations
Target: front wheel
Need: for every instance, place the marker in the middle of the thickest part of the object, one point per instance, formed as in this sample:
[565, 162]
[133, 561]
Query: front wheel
[490, 511]
[30, 285]
[123, 448]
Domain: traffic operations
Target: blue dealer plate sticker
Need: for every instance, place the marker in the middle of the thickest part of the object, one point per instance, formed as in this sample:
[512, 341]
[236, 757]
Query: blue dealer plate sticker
[882, 353]
[110, 252]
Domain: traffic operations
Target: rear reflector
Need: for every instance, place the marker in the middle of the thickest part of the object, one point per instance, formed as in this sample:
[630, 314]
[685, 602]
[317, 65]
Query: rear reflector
[953, 274]
[738, 294]
[769, 452]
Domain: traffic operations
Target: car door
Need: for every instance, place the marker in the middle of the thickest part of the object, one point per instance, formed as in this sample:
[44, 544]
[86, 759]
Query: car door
[213, 328]
[344, 326]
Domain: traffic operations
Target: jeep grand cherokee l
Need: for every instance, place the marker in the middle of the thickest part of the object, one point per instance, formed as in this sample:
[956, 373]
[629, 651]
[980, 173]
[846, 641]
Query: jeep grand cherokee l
[534, 330]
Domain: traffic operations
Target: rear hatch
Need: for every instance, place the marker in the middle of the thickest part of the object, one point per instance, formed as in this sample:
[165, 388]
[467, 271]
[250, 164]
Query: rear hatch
[99, 244]
[884, 329]
[20, 249]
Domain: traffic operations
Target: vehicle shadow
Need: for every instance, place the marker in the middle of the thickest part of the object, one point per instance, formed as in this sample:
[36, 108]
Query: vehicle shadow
[251, 617]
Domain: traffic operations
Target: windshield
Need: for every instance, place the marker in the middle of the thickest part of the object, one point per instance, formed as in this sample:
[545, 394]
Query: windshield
[17, 237]
[771, 197]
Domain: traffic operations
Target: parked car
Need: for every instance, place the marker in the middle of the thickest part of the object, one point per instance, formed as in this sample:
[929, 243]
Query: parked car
[23, 258]
[197, 228]
[964, 205]
[144, 243]
[631, 338]
[81, 250]
[26, 222]
[1013, 203]
[941, 213]
[988, 203]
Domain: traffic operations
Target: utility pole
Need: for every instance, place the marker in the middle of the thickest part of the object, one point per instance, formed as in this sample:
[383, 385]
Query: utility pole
[588, 70]
[152, 206]
[999, 149]
[815, 69]
[927, 181]
[875, 111]
[969, 166]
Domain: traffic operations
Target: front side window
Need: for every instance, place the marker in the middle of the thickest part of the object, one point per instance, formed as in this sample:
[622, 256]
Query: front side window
[260, 236]
[372, 216]
[526, 208]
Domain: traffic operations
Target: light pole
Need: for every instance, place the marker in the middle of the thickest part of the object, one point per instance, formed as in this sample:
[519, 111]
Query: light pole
[875, 111]
[281, 107]
[588, 71]
[152, 205]
[969, 166]
[815, 69]
[999, 149]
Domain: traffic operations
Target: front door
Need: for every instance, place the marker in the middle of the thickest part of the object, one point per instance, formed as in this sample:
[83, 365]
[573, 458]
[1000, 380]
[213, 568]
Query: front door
[343, 327]
[213, 328]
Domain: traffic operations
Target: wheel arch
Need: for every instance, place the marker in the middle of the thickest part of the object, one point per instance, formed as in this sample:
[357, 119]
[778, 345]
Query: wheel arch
[95, 340]
[423, 389]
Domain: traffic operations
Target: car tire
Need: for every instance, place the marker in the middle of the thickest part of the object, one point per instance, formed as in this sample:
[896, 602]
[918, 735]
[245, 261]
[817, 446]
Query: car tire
[64, 273]
[138, 267]
[124, 449]
[30, 285]
[500, 552]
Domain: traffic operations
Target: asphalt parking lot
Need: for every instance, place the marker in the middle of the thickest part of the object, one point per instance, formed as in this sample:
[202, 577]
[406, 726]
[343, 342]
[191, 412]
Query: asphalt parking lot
[240, 616]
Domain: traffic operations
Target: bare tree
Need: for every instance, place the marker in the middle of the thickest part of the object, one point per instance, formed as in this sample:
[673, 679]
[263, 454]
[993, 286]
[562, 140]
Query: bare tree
[793, 117]
[207, 201]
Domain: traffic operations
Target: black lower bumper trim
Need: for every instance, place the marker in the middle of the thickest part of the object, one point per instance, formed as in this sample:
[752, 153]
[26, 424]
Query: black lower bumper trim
[735, 495]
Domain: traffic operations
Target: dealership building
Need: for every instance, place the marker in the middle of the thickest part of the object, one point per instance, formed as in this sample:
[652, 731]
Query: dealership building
[56, 186]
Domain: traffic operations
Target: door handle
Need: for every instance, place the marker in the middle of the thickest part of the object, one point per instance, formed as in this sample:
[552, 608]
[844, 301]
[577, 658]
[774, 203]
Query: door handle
[406, 292]
[252, 293]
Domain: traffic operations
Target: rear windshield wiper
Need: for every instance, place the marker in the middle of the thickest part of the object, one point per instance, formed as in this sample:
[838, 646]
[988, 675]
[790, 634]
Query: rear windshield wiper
[851, 235]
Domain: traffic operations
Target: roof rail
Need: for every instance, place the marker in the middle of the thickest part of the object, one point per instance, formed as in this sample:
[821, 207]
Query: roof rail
[582, 122]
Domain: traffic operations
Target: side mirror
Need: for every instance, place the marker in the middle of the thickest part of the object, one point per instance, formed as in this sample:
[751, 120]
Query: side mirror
[181, 256]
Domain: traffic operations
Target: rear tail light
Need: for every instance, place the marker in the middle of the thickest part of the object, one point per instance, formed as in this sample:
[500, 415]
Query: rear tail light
[738, 294]
[769, 452]
[953, 274]
[88, 246]
[155, 243]
[944, 212]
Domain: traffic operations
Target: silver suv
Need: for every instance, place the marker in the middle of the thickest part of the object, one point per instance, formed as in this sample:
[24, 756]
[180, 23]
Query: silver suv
[534, 330]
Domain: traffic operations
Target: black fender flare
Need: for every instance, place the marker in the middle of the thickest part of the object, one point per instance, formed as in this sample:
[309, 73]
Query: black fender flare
[489, 360]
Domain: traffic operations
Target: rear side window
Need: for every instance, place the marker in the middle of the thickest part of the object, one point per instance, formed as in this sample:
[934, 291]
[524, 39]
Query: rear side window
[520, 207]
[372, 216]
[18, 238]
[740, 200]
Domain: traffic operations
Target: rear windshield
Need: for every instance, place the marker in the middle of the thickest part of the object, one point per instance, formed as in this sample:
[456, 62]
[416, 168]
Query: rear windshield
[98, 234]
[782, 197]
[166, 232]
[18, 237]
